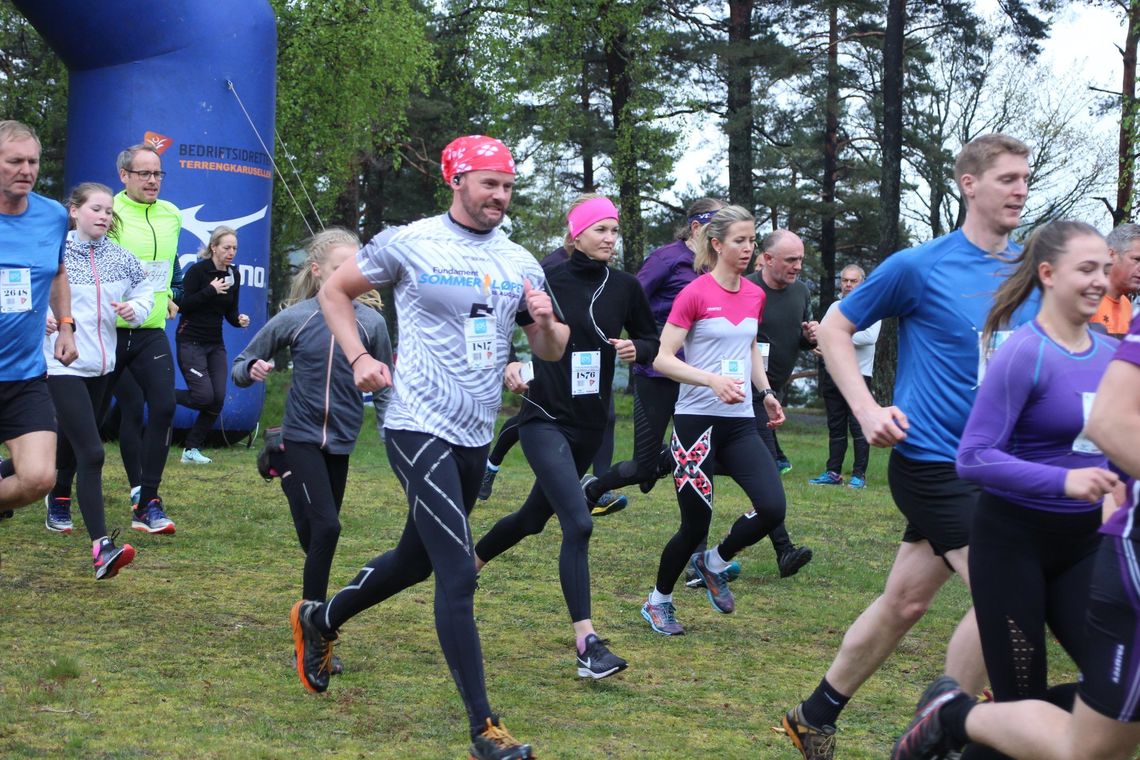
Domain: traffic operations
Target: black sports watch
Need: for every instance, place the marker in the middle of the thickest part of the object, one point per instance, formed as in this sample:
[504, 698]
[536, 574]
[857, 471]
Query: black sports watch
[765, 393]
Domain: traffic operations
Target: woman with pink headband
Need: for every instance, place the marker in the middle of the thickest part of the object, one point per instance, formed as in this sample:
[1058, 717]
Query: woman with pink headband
[564, 410]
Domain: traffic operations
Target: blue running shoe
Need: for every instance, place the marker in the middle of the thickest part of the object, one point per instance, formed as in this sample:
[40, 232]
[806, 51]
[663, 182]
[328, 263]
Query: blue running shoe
[828, 478]
[784, 466]
[606, 504]
[856, 482]
[716, 584]
[152, 519]
[58, 515]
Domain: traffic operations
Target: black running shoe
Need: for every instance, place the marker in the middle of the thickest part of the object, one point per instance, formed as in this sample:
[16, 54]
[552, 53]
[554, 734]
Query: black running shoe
[792, 560]
[665, 465]
[813, 742]
[495, 743]
[487, 484]
[924, 738]
[269, 464]
[598, 661]
[312, 649]
[7, 514]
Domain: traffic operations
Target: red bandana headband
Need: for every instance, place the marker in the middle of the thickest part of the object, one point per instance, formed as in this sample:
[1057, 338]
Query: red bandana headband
[475, 153]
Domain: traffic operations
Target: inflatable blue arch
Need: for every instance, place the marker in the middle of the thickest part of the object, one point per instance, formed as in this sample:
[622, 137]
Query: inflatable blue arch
[181, 75]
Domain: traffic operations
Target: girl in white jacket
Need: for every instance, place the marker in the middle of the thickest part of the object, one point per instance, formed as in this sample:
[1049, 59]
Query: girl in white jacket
[106, 282]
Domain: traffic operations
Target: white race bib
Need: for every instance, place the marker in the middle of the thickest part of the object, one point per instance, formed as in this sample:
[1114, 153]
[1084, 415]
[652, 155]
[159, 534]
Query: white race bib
[1082, 444]
[986, 352]
[479, 337]
[733, 368]
[15, 290]
[765, 349]
[157, 273]
[585, 372]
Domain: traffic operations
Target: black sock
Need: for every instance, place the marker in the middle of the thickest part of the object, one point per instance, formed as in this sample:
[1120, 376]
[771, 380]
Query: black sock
[953, 718]
[822, 708]
[7, 469]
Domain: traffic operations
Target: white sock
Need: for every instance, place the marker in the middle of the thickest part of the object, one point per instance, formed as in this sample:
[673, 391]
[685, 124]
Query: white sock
[714, 562]
[492, 467]
[656, 597]
[136, 491]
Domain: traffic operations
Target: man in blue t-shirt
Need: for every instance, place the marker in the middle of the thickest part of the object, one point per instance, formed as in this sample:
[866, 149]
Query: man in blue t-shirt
[32, 234]
[940, 292]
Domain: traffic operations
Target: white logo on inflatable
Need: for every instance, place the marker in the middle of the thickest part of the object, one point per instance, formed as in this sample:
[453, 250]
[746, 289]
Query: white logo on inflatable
[250, 275]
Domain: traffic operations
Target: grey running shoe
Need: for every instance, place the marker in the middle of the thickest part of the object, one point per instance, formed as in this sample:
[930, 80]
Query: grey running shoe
[716, 584]
[662, 618]
[813, 742]
[692, 580]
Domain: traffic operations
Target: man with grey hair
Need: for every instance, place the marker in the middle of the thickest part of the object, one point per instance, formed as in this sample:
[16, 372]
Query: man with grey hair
[839, 416]
[1115, 311]
[32, 277]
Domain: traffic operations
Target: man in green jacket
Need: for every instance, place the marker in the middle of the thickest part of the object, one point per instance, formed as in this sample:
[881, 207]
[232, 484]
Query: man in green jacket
[149, 228]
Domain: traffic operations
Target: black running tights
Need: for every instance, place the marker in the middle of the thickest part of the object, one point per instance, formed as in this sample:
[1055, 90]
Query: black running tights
[313, 482]
[441, 481]
[559, 456]
[735, 446]
[78, 448]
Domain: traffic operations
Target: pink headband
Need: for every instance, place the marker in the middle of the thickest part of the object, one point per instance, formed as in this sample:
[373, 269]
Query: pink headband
[590, 212]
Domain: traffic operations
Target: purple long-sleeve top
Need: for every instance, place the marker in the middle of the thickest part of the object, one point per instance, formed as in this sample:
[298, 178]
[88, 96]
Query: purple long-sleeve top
[664, 274]
[1024, 433]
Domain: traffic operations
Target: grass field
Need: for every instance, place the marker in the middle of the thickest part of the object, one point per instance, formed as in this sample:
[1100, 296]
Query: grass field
[187, 653]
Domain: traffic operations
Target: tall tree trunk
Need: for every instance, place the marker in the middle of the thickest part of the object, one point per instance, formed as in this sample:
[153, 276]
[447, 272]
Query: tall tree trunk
[588, 183]
[830, 164]
[738, 125]
[891, 183]
[625, 151]
[1126, 154]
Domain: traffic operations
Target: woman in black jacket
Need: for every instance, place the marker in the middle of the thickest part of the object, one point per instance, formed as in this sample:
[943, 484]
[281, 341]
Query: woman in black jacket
[210, 290]
[565, 408]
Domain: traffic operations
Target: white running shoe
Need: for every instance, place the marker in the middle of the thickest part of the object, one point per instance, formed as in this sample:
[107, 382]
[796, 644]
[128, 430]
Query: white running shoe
[193, 456]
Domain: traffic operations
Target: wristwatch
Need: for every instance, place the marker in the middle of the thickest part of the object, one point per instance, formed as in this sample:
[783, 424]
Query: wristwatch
[765, 393]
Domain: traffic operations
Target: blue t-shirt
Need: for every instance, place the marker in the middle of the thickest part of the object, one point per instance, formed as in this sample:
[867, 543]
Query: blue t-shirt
[31, 250]
[941, 292]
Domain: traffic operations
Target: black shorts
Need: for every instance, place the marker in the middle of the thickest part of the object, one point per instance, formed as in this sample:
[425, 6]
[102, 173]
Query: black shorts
[1110, 674]
[937, 504]
[25, 407]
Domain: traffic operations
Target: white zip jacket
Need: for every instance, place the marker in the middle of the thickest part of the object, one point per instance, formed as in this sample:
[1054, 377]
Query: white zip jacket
[99, 273]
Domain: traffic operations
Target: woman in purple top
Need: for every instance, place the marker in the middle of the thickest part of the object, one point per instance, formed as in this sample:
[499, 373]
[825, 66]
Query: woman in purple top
[1105, 719]
[1035, 531]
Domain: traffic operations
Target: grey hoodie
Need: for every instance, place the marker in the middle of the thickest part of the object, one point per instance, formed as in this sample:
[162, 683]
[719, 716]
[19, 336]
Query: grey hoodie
[324, 407]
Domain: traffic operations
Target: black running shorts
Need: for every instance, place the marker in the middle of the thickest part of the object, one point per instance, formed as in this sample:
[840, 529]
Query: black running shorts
[938, 505]
[1110, 674]
[25, 407]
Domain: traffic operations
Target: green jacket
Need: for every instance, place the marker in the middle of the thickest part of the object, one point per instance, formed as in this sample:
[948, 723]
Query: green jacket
[150, 231]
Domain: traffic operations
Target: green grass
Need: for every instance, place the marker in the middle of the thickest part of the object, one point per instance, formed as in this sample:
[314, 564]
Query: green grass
[187, 654]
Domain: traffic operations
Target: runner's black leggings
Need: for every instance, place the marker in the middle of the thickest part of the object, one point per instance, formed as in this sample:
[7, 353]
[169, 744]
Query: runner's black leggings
[559, 456]
[441, 481]
[150, 381]
[509, 436]
[313, 481]
[79, 448]
[207, 371]
[1029, 568]
[732, 442]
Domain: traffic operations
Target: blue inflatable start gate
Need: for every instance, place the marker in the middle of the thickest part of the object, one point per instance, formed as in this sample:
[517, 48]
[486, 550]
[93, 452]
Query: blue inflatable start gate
[181, 75]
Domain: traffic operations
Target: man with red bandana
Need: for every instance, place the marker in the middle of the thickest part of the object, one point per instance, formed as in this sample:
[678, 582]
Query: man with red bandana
[460, 287]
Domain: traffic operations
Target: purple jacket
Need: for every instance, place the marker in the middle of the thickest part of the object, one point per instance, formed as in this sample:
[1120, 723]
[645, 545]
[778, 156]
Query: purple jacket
[663, 275]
